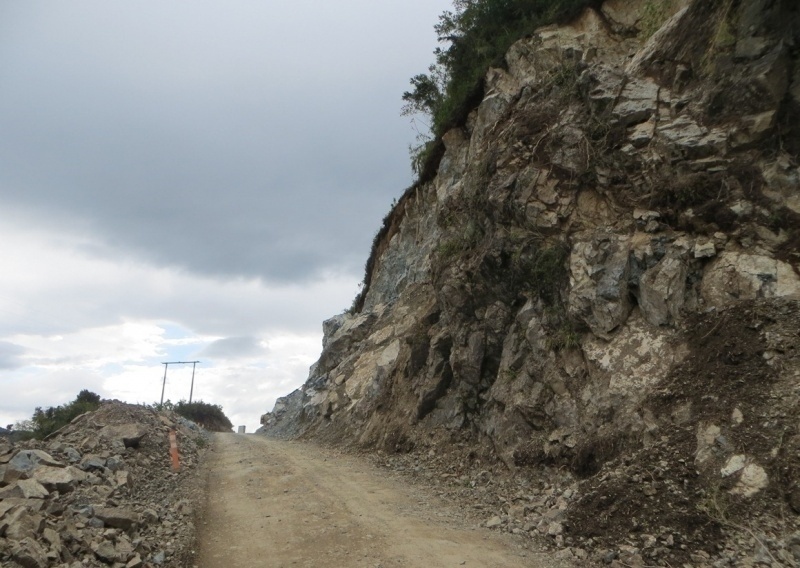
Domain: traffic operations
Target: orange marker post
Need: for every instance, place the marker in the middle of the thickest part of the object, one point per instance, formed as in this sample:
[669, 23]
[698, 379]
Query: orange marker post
[173, 451]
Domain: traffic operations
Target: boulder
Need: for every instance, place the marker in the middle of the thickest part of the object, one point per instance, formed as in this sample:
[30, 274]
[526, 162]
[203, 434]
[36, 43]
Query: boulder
[63, 480]
[117, 517]
[92, 462]
[24, 462]
[130, 435]
[21, 524]
[105, 551]
[29, 553]
[53, 538]
[24, 489]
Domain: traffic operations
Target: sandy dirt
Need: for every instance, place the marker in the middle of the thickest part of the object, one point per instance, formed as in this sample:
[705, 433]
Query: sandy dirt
[273, 503]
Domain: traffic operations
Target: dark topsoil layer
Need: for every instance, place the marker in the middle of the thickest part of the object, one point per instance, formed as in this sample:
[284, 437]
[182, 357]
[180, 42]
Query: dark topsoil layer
[740, 358]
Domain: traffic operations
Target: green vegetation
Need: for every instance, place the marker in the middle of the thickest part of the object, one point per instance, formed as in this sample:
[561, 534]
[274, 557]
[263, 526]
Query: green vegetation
[654, 14]
[541, 271]
[477, 35]
[209, 416]
[724, 36]
[47, 421]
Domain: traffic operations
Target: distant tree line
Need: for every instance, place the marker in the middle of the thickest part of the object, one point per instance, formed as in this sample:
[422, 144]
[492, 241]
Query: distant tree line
[209, 416]
[45, 421]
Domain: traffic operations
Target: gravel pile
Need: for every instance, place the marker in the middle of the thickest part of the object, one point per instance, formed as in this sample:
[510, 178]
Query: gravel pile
[101, 492]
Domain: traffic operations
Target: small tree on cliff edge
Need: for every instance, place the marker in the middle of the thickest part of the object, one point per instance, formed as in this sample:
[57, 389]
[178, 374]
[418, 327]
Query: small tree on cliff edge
[477, 34]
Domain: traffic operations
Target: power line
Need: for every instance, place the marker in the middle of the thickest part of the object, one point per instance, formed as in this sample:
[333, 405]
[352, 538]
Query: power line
[166, 368]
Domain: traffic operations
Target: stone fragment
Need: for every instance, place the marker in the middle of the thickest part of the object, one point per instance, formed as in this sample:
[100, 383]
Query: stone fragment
[29, 553]
[53, 538]
[24, 462]
[641, 134]
[599, 271]
[734, 464]
[662, 291]
[23, 524]
[494, 522]
[124, 549]
[752, 480]
[32, 489]
[91, 462]
[130, 435]
[63, 480]
[643, 216]
[684, 136]
[752, 129]
[117, 517]
[601, 84]
[72, 454]
[704, 250]
[12, 491]
[123, 478]
[115, 463]
[622, 13]
[706, 440]
[555, 529]
[106, 552]
[637, 102]
[150, 516]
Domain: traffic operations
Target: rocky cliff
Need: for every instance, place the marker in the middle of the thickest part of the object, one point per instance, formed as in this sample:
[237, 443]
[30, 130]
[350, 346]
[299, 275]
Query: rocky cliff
[602, 277]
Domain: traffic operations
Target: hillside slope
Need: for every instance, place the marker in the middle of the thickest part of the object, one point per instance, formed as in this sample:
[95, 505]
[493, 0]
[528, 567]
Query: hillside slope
[602, 279]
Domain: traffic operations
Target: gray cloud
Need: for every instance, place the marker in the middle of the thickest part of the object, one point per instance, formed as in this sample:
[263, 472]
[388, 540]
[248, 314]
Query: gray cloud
[233, 139]
[216, 166]
[234, 348]
[10, 355]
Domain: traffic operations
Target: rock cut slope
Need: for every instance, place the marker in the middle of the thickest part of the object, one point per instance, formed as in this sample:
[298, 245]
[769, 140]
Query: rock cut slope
[602, 278]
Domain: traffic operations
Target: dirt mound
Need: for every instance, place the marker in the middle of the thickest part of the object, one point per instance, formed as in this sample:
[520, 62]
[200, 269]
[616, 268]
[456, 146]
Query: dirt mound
[101, 491]
[721, 478]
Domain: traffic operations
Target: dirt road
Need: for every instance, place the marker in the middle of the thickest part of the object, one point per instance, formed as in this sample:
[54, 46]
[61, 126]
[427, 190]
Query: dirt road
[284, 504]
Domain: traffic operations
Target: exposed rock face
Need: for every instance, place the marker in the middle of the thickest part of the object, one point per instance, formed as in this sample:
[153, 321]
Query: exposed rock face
[610, 194]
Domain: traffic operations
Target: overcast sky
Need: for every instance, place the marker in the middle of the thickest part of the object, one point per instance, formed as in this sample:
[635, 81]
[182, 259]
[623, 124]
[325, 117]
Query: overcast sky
[186, 180]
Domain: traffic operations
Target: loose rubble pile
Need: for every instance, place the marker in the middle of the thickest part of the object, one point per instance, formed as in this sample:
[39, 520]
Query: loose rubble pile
[101, 492]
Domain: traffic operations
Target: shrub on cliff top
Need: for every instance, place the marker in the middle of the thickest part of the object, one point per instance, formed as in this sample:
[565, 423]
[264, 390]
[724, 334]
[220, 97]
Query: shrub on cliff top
[477, 34]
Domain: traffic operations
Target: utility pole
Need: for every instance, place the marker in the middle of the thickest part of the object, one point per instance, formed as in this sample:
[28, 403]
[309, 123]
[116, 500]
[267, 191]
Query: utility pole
[166, 367]
[191, 389]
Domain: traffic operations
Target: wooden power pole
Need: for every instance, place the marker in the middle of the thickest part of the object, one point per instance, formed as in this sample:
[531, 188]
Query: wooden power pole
[166, 367]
